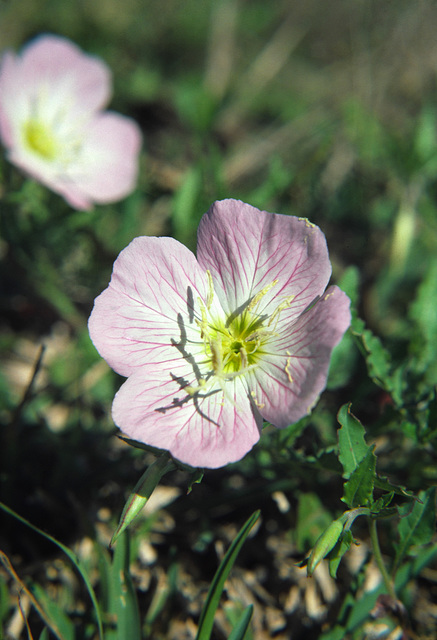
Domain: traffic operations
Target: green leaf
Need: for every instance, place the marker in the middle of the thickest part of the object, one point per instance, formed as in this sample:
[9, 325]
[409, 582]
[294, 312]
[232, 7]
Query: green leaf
[122, 598]
[163, 592]
[239, 631]
[73, 558]
[381, 506]
[425, 134]
[196, 478]
[377, 359]
[343, 545]
[213, 598]
[54, 611]
[349, 283]
[418, 525]
[184, 218]
[351, 442]
[44, 634]
[358, 490]
[382, 482]
[312, 519]
[423, 312]
[355, 610]
[142, 492]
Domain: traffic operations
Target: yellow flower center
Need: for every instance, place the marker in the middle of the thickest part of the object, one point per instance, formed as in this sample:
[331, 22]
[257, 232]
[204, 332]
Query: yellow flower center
[233, 346]
[40, 139]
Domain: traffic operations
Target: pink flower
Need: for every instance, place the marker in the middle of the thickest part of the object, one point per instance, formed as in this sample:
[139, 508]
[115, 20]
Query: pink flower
[213, 346]
[53, 126]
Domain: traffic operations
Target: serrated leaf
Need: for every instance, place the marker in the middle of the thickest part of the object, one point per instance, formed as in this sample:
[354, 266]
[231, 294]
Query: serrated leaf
[213, 598]
[381, 506]
[377, 358]
[343, 545]
[358, 490]
[239, 631]
[416, 528]
[351, 443]
[382, 482]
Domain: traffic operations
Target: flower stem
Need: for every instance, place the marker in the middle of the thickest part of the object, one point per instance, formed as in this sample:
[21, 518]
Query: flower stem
[378, 558]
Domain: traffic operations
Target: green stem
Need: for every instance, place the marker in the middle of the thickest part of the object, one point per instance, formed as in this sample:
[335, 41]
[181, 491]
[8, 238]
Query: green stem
[378, 558]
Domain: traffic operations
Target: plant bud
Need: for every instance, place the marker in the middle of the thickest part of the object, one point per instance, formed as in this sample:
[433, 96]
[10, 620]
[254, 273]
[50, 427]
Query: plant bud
[324, 545]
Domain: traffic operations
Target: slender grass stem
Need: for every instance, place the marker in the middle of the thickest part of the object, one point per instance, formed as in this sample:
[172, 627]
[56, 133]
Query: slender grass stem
[378, 558]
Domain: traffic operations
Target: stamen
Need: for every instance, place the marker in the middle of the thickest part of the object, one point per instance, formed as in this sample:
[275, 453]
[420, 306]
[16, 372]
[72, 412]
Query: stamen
[216, 356]
[243, 356]
[259, 405]
[203, 324]
[287, 370]
[260, 295]
[275, 315]
[210, 295]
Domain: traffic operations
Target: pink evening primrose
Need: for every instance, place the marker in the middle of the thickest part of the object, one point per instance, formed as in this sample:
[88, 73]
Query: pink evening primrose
[53, 126]
[213, 346]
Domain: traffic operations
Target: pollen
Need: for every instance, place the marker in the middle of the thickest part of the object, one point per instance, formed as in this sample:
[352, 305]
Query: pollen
[308, 224]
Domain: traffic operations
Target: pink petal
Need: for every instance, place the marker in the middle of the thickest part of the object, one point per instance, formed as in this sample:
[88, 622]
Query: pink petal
[148, 308]
[246, 250]
[59, 65]
[207, 432]
[290, 379]
[107, 167]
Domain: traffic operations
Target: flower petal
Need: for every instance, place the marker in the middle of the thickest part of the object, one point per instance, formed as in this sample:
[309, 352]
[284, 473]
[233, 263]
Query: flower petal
[59, 67]
[107, 166]
[148, 312]
[292, 376]
[246, 250]
[211, 431]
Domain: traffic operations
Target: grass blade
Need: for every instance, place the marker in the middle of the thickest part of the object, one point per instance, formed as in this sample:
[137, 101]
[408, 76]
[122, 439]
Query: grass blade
[239, 631]
[71, 556]
[215, 591]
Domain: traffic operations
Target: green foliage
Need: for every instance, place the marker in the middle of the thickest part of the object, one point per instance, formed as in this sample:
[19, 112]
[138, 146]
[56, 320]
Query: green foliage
[358, 490]
[417, 524]
[142, 492]
[54, 612]
[212, 600]
[352, 445]
[327, 541]
[239, 632]
[423, 312]
[342, 545]
[122, 603]
[312, 519]
[72, 557]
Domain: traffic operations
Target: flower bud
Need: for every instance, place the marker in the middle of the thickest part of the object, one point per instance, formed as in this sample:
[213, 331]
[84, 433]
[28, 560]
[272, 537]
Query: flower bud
[324, 545]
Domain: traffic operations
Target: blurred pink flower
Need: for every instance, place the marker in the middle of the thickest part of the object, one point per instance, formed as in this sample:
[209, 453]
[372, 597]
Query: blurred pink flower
[53, 126]
[213, 346]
